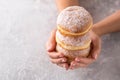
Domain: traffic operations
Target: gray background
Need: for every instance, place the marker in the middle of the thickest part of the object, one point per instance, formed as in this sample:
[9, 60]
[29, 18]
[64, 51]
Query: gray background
[24, 29]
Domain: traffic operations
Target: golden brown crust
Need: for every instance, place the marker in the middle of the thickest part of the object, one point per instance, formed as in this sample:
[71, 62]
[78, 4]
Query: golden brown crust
[73, 40]
[67, 33]
[72, 54]
[74, 19]
[70, 47]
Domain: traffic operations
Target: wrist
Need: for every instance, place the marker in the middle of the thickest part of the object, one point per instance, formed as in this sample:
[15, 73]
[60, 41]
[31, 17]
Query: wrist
[97, 30]
[62, 4]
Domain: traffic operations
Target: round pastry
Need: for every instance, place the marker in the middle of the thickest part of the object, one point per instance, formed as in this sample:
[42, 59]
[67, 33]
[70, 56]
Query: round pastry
[72, 36]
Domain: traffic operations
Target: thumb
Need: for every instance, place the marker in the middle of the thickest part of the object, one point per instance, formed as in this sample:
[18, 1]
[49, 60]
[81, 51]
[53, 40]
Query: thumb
[51, 43]
[95, 47]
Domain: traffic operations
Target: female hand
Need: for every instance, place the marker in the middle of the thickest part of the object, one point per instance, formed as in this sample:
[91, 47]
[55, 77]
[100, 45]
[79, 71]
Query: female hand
[94, 52]
[55, 57]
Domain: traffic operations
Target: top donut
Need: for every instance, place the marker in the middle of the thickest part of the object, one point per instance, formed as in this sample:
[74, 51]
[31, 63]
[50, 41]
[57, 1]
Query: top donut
[74, 19]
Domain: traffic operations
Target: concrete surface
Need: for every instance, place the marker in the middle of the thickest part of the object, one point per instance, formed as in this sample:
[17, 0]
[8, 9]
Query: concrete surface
[24, 29]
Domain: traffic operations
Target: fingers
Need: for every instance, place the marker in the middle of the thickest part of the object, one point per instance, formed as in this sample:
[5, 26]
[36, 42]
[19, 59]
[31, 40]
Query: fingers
[59, 60]
[86, 61]
[94, 52]
[81, 62]
[55, 55]
[64, 65]
[51, 42]
[96, 47]
[75, 65]
[62, 62]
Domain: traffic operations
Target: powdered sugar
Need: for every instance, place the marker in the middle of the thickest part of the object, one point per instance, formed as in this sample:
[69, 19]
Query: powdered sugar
[74, 53]
[74, 41]
[74, 18]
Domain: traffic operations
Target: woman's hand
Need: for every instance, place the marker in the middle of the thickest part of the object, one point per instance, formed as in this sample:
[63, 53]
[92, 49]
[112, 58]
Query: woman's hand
[94, 52]
[55, 57]
[61, 60]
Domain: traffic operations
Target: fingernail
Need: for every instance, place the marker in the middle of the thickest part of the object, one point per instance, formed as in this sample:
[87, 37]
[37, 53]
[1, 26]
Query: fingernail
[64, 66]
[49, 48]
[95, 56]
[73, 64]
[63, 60]
[77, 59]
[61, 55]
[70, 67]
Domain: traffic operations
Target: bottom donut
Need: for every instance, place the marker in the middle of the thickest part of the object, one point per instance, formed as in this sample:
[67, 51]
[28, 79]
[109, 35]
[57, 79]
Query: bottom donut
[72, 54]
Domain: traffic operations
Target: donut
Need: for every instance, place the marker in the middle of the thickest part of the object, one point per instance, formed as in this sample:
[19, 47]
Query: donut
[73, 32]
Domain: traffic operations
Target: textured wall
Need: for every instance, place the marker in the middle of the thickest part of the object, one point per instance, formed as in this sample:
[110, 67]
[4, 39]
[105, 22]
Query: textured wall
[24, 28]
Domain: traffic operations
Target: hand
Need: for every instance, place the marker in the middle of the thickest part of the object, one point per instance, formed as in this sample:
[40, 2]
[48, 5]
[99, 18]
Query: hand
[55, 57]
[94, 52]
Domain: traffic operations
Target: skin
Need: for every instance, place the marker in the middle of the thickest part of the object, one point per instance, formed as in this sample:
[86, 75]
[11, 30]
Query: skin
[61, 60]
[107, 25]
[55, 57]
[61, 4]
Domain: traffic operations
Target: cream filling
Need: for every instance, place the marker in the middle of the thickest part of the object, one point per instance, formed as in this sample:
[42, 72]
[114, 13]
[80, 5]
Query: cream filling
[74, 34]
[70, 47]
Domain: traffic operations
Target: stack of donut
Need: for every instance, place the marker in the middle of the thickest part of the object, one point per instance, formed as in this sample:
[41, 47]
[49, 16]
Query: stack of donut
[73, 26]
